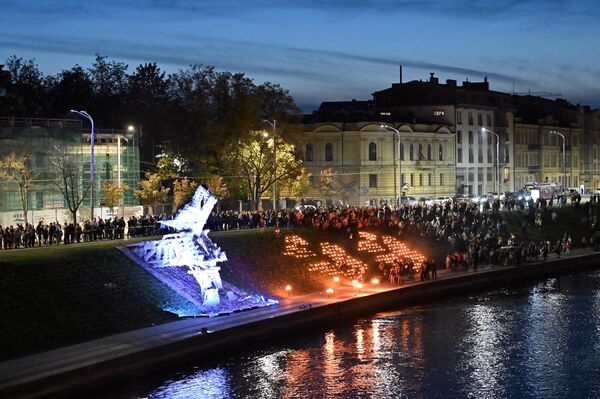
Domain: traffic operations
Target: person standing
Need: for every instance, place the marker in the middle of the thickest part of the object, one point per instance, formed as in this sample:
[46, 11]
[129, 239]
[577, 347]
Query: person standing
[433, 268]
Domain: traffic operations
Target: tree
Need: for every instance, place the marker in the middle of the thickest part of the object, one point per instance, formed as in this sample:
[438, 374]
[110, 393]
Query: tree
[113, 194]
[68, 178]
[16, 167]
[26, 88]
[253, 159]
[151, 191]
[299, 186]
[183, 190]
[332, 184]
[217, 186]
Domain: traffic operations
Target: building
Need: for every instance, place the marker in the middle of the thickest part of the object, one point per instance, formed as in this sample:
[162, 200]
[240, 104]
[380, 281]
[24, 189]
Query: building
[364, 160]
[40, 139]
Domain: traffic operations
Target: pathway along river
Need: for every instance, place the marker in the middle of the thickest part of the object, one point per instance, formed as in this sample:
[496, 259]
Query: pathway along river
[536, 340]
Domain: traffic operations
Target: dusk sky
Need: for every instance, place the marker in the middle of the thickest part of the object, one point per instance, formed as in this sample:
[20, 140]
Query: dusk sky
[324, 50]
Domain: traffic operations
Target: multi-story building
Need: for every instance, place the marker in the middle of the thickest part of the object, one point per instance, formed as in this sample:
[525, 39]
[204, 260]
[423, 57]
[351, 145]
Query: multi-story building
[39, 138]
[539, 124]
[591, 149]
[364, 158]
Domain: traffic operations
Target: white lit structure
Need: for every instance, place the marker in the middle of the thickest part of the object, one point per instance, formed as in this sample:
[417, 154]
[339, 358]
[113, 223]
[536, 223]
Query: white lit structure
[189, 247]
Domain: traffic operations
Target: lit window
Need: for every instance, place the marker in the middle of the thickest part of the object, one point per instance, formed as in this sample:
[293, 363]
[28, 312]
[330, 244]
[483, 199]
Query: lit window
[438, 113]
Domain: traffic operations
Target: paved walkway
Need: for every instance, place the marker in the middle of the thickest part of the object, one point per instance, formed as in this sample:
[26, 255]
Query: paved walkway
[31, 368]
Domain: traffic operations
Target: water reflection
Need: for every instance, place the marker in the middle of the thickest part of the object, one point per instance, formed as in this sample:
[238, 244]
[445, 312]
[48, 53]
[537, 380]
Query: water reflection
[530, 341]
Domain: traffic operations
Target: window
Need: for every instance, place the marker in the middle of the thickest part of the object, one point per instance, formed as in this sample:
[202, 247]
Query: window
[429, 179]
[459, 155]
[411, 152]
[402, 151]
[312, 181]
[479, 155]
[372, 181]
[459, 137]
[459, 117]
[489, 138]
[412, 179]
[421, 156]
[39, 159]
[470, 118]
[421, 179]
[489, 155]
[479, 119]
[438, 112]
[490, 174]
[372, 151]
[429, 152]
[328, 152]
[489, 120]
[309, 152]
[471, 159]
[441, 153]
[401, 180]
[480, 138]
[39, 199]
[441, 179]
[470, 137]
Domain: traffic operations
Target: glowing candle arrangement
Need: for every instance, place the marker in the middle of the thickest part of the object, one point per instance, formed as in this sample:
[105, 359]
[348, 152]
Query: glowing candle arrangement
[323, 267]
[339, 256]
[368, 243]
[297, 247]
[398, 250]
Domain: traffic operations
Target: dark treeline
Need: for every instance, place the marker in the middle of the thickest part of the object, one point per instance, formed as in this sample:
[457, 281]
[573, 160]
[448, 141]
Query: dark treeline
[194, 113]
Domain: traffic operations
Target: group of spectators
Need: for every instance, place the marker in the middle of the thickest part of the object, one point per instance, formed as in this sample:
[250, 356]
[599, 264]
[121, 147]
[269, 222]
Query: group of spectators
[53, 233]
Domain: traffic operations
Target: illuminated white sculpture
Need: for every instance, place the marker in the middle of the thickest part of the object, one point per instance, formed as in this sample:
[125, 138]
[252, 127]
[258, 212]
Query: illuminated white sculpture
[190, 247]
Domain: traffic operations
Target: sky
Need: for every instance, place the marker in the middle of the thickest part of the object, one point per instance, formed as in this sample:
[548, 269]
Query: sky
[324, 50]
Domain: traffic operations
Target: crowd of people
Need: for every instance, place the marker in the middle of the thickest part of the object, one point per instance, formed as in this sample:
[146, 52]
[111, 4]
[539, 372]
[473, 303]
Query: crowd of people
[53, 233]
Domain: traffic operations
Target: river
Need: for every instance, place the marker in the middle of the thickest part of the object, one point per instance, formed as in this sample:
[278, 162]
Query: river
[534, 340]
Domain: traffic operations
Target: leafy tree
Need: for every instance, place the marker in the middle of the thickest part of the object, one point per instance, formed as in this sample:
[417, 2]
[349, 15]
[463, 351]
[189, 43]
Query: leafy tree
[70, 89]
[26, 88]
[253, 159]
[16, 168]
[333, 184]
[151, 191]
[183, 190]
[300, 186]
[217, 186]
[109, 84]
[113, 194]
[68, 178]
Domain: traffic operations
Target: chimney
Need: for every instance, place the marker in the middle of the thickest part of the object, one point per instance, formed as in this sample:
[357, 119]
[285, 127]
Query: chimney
[400, 74]
[433, 79]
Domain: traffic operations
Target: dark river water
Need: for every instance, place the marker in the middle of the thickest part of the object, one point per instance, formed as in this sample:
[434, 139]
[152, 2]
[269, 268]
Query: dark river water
[535, 340]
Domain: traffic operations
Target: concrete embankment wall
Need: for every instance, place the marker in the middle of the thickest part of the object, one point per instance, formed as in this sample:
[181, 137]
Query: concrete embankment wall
[201, 346]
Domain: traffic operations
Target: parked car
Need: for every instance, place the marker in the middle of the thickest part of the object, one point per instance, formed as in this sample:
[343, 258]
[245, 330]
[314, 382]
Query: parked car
[486, 198]
[442, 200]
[426, 200]
[404, 200]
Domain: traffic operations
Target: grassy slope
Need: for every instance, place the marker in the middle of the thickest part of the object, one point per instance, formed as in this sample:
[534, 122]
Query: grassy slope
[62, 295]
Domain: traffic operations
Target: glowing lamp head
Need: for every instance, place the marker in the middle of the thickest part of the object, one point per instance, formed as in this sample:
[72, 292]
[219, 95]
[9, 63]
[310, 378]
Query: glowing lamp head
[130, 128]
[288, 288]
[265, 134]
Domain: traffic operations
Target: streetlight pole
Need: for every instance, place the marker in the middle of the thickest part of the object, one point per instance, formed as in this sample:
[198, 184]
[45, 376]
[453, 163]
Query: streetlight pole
[87, 116]
[274, 126]
[564, 158]
[497, 159]
[396, 184]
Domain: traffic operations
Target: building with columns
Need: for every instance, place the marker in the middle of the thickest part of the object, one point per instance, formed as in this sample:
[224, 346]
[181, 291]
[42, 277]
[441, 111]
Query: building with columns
[372, 167]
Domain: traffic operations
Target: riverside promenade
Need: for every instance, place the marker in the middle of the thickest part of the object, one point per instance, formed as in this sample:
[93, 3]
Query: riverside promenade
[76, 369]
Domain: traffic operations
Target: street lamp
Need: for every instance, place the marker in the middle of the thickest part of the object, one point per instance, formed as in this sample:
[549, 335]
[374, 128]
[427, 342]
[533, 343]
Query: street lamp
[497, 159]
[564, 158]
[87, 116]
[274, 126]
[397, 133]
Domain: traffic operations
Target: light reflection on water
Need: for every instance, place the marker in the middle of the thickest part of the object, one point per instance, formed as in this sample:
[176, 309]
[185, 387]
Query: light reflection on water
[533, 341]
